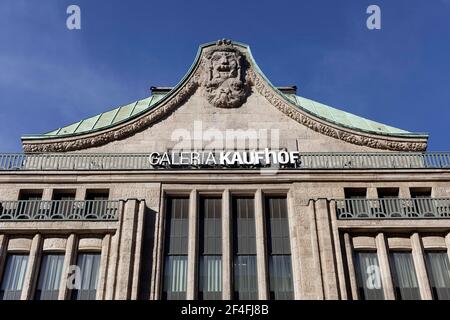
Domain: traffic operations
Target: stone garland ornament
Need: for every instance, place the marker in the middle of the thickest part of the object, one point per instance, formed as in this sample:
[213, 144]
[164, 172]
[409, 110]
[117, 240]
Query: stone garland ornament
[226, 76]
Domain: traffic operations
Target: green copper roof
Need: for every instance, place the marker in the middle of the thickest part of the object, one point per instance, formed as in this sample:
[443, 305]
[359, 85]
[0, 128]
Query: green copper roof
[121, 114]
[124, 113]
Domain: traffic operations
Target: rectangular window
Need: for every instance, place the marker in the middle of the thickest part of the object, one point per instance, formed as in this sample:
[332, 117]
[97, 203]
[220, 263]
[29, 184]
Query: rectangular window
[244, 249]
[439, 274]
[176, 248]
[404, 276]
[29, 202]
[368, 276]
[210, 249]
[49, 277]
[356, 203]
[12, 282]
[279, 249]
[88, 264]
[388, 201]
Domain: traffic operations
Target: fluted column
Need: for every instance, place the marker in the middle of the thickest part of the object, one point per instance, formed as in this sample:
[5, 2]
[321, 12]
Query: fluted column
[351, 266]
[69, 260]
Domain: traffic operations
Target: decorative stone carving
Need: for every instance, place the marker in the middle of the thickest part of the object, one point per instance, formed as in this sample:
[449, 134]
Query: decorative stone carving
[225, 83]
[226, 76]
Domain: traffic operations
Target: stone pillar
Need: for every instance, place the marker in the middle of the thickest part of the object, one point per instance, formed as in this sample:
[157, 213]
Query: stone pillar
[261, 253]
[421, 270]
[311, 287]
[138, 251]
[47, 194]
[31, 275]
[103, 269]
[127, 246]
[294, 242]
[372, 193]
[351, 266]
[69, 260]
[80, 194]
[191, 290]
[338, 251]
[326, 250]
[158, 254]
[383, 258]
[227, 253]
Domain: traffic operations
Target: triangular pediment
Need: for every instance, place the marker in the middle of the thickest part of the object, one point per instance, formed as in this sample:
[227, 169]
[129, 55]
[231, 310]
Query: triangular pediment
[224, 75]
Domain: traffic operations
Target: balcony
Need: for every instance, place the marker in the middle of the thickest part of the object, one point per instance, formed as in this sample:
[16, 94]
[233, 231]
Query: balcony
[307, 161]
[63, 210]
[393, 208]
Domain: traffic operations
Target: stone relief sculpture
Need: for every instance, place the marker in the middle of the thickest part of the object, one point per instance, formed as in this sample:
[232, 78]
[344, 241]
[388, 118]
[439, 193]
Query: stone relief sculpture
[225, 84]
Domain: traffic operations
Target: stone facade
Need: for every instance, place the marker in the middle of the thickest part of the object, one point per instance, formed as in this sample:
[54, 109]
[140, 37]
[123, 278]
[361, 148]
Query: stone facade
[132, 247]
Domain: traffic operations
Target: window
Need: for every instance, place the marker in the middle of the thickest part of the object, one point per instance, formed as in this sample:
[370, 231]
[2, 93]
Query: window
[422, 202]
[404, 276]
[96, 204]
[368, 276]
[356, 201]
[420, 192]
[439, 274]
[279, 249]
[12, 282]
[88, 264]
[210, 249]
[176, 249]
[244, 249]
[49, 277]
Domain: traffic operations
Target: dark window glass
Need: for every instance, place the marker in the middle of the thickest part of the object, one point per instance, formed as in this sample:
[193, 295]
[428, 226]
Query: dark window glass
[404, 276]
[49, 277]
[12, 282]
[29, 202]
[368, 276]
[176, 249]
[88, 264]
[210, 249]
[279, 249]
[357, 203]
[439, 274]
[244, 248]
[97, 194]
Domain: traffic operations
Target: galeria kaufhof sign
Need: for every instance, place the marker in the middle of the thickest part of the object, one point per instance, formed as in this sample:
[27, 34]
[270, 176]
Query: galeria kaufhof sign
[211, 159]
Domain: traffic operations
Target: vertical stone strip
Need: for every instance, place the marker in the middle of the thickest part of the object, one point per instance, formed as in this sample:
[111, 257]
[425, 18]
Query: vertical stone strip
[312, 287]
[127, 245]
[138, 251]
[31, 275]
[3, 252]
[351, 266]
[261, 253]
[421, 270]
[227, 256]
[158, 250]
[103, 270]
[326, 250]
[69, 259]
[192, 247]
[338, 251]
[294, 241]
[114, 256]
[383, 258]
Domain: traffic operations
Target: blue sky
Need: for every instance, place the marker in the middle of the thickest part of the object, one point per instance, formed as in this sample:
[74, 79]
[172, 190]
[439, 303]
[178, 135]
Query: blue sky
[51, 76]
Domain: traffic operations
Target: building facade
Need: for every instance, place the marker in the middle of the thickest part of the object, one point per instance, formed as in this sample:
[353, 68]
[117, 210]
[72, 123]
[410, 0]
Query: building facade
[225, 187]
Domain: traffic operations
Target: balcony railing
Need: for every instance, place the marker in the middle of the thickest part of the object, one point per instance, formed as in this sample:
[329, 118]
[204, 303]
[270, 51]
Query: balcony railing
[393, 208]
[38, 210]
[93, 162]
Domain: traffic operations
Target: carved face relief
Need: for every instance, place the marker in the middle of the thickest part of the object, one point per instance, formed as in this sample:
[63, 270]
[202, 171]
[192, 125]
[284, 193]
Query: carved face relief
[225, 85]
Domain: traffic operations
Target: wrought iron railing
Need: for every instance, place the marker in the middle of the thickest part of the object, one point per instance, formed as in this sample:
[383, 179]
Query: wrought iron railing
[141, 161]
[37, 210]
[393, 208]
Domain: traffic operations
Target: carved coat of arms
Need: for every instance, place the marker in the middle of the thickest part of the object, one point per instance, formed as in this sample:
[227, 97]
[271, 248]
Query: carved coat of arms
[225, 83]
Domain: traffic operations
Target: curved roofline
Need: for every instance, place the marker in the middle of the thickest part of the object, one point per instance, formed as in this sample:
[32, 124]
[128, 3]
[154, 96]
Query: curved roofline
[188, 75]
